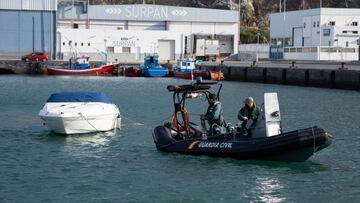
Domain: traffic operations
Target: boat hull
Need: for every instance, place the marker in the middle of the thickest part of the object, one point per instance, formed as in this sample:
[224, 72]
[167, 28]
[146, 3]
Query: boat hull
[78, 125]
[132, 73]
[189, 75]
[103, 70]
[69, 118]
[155, 72]
[296, 146]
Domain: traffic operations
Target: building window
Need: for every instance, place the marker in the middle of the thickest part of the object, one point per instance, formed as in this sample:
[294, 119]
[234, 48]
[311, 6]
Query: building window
[318, 24]
[355, 32]
[126, 49]
[332, 23]
[327, 32]
[75, 26]
[304, 24]
[75, 43]
[63, 43]
[82, 44]
[344, 31]
[314, 24]
[347, 43]
[273, 41]
[354, 23]
[89, 44]
[110, 49]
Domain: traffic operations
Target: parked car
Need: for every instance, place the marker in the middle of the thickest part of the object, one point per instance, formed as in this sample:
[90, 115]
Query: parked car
[36, 56]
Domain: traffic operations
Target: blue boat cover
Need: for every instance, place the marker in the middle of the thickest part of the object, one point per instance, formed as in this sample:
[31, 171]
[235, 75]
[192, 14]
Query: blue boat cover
[79, 97]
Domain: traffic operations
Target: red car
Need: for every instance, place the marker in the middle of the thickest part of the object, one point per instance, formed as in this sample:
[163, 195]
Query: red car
[36, 56]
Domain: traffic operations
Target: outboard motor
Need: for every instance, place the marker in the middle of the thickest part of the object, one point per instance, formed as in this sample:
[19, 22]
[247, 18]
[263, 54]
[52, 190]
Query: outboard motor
[230, 129]
[216, 130]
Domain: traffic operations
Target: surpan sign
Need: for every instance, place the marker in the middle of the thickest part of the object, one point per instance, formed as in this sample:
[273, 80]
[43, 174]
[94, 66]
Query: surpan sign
[124, 43]
[145, 12]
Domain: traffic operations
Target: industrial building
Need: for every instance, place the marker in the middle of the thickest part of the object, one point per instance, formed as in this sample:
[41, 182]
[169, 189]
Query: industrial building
[124, 33]
[316, 34]
[27, 26]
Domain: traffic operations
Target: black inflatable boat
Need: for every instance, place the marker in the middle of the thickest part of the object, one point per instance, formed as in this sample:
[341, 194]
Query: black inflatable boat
[185, 137]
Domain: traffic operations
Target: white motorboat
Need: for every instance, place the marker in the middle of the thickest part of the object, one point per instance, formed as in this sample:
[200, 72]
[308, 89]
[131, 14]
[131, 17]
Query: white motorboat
[80, 112]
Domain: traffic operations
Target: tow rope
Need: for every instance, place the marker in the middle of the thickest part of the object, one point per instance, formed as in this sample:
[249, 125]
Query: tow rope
[313, 134]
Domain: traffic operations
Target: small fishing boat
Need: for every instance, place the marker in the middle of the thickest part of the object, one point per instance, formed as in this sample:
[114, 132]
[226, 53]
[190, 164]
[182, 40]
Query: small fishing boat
[81, 67]
[131, 72]
[80, 112]
[267, 140]
[185, 69]
[152, 68]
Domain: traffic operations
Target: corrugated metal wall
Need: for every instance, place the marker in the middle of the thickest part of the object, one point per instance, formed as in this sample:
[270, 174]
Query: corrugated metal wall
[37, 5]
[22, 32]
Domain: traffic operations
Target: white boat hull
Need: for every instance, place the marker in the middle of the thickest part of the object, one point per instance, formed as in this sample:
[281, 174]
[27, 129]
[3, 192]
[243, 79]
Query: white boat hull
[77, 118]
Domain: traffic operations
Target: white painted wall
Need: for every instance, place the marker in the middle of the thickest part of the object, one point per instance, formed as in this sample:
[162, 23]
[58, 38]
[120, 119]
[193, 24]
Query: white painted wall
[339, 55]
[146, 36]
[300, 56]
[261, 50]
[312, 24]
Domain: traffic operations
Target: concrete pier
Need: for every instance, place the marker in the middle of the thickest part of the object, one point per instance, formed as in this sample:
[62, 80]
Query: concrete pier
[22, 67]
[305, 76]
[255, 74]
[347, 79]
[275, 75]
[327, 78]
[321, 78]
[296, 77]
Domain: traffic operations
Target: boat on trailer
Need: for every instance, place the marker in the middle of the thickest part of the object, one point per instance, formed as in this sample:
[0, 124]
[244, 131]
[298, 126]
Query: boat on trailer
[80, 112]
[267, 141]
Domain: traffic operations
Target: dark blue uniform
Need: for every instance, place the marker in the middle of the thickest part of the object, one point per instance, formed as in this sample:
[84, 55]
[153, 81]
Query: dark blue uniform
[214, 114]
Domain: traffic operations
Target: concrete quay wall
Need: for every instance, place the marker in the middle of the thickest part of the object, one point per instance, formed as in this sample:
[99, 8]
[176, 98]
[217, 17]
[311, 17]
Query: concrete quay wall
[339, 79]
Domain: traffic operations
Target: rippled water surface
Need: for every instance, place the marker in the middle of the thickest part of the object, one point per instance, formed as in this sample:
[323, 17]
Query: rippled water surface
[124, 166]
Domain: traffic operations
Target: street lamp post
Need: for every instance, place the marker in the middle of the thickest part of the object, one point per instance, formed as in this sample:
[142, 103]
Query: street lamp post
[303, 4]
[257, 47]
[239, 22]
[359, 48]
[284, 36]
[72, 13]
[319, 51]
[106, 57]
[280, 6]
[87, 15]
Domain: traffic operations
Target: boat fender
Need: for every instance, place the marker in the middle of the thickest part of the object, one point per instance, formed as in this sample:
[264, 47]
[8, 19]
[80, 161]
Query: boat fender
[186, 120]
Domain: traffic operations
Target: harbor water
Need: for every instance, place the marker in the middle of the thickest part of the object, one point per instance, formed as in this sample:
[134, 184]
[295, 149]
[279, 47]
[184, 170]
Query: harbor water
[124, 166]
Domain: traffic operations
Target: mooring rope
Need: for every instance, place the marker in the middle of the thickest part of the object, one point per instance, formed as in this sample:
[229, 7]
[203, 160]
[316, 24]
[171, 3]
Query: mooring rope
[133, 122]
[82, 116]
[312, 129]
